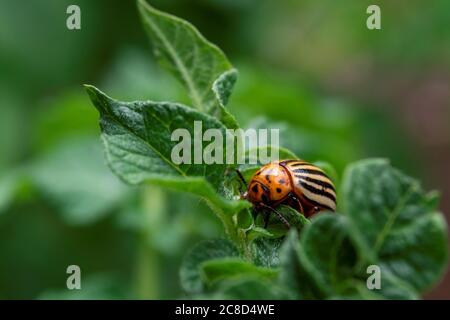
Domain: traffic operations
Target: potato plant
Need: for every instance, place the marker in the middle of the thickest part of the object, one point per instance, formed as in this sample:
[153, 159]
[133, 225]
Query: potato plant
[384, 217]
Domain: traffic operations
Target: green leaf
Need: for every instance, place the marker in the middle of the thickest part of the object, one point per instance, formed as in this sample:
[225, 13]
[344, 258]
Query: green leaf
[137, 138]
[327, 252]
[293, 275]
[137, 141]
[225, 268]
[244, 219]
[396, 222]
[258, 232]
[331, 266]
[265, 252]
[198, 64]
[190, 272]
[222, 88]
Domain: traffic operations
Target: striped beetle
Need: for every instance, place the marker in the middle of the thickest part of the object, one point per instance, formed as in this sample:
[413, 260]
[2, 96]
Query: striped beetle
[295, 183]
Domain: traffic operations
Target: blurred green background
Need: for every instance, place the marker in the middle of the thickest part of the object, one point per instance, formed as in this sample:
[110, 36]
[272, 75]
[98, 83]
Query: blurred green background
[338, 92]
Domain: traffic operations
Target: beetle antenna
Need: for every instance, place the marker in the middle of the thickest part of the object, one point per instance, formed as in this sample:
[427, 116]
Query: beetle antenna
[241, 177]
[279, 215]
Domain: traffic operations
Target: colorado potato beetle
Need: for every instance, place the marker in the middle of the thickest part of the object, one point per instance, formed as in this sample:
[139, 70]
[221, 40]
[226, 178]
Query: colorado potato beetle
[296, 183]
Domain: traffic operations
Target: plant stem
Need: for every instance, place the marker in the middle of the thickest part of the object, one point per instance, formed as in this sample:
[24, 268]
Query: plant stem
[236, 235]
[147, 260]
[146, 270]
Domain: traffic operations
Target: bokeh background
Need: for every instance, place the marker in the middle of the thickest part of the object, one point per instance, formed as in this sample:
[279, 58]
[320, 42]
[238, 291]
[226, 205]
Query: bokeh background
[338, 91]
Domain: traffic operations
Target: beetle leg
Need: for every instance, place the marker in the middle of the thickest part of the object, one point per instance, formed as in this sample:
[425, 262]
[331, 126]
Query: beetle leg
[255, 213]
[313, 210]
[266, 219]
[279, 215]
[297, 201]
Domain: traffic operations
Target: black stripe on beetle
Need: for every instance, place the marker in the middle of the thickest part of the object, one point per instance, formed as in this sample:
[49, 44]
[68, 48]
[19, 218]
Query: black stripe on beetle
[316, 181]
[297, 163]
[321, 192]
[290, 161]
[311, 171]
[315, 203]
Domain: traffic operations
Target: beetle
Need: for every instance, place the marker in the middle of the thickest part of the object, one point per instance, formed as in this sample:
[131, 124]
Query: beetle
[296, 183]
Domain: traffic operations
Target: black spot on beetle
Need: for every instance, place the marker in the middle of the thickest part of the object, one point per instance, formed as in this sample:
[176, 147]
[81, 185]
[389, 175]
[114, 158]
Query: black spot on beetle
[255, 188]
[268, 178]
[278, 190]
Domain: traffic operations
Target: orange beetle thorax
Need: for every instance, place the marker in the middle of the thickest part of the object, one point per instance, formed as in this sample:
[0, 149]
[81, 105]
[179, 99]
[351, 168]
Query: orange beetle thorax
[270, 184]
